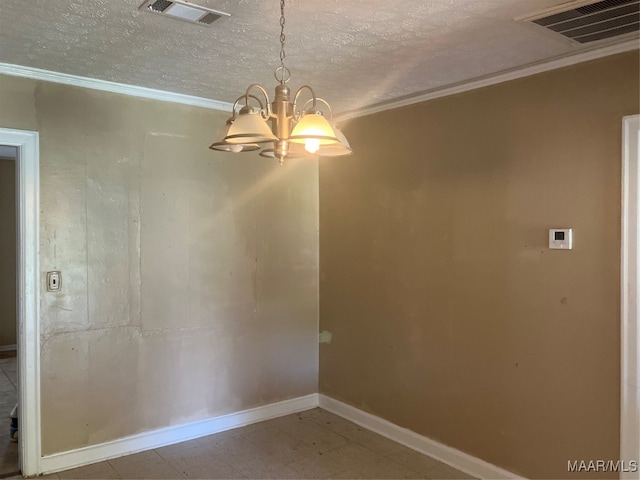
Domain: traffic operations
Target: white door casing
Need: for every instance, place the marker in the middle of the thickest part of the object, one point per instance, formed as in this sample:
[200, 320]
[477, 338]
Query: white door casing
[630, 312]
[28, 188]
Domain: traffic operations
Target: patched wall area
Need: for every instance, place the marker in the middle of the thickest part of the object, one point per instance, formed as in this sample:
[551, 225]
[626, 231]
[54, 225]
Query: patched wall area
[189, 277]
[448, 313]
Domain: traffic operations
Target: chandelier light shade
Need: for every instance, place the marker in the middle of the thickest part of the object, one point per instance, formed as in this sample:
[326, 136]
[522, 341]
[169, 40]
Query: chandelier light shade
[249, 127]
[224, 146]
[336, 149]
[234, 148]
[286, 129]
[314, 131]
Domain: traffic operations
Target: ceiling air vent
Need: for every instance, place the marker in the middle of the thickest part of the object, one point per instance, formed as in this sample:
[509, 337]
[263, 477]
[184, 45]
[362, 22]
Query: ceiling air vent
[586, 22]
[183, 10]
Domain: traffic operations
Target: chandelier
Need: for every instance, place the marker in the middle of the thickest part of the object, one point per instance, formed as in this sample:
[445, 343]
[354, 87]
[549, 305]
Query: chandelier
[287, 129]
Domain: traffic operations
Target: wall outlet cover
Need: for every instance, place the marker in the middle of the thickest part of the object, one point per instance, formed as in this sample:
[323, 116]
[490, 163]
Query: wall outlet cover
[54, 281]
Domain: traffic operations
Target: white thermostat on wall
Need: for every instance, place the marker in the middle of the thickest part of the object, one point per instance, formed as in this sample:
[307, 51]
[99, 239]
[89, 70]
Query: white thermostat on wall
[561, 238]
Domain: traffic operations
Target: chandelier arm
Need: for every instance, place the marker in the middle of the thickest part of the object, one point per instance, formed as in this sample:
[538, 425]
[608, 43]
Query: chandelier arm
[266, 112]
[295, 99]
[235, 105]
[246, 102]
[318, 99]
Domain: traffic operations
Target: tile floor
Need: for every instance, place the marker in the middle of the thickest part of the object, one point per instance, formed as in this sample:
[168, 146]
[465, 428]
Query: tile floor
[311, 444]
[8, 399]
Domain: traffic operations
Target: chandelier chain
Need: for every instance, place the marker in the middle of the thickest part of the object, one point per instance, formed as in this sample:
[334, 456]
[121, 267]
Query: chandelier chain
[282, 35]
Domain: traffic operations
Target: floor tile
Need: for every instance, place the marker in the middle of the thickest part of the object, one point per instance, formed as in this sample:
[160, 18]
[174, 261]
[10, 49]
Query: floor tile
[286, 448]
[227, 446]
[262, 466]
[213, 467]
[353, 456]
[207, 459]
[8, 399]
[348, 474]
[312, 433]
[49, 476]
[443, 471]
[6, 386]
[8, 454]
[145, 465]
[387, 468]
[314, 444]
[102, 470]
[13, 377]
[373, 441]
[412, 459]
[325, 440]
[289, 423]
[7, 402]
[316, 466]
[332, 422]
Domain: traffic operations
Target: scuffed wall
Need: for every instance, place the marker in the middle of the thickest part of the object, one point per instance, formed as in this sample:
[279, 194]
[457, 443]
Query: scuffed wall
[447, 312]
[189, 277]
[8, 252]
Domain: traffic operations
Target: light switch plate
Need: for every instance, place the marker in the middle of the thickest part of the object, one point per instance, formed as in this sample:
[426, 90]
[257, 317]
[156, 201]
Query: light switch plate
[54, 281]
[561, 238]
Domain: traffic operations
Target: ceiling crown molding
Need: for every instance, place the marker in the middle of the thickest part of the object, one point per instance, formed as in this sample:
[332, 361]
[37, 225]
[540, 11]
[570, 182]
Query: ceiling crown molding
[505, 76]
[465, 86]
[113, 87]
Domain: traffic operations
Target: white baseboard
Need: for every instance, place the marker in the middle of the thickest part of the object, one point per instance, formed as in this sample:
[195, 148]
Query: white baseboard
[175, 434]
[181, 433]
[7, 348]
[455, 458]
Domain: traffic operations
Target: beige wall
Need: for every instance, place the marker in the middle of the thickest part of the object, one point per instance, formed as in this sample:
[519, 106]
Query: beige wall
[189, 277]
[7, 252]
[449, 314]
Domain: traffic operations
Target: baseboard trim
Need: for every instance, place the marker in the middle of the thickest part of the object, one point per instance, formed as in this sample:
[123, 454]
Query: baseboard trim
[455, 458]
[181, 433]
[7, 348]
[174, 434]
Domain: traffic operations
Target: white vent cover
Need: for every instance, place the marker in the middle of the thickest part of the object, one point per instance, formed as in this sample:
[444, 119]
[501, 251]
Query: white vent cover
[588, 21]
[183, 10]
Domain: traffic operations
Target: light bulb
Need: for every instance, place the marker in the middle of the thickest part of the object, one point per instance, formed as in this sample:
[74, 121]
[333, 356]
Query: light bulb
[312, 145]
[235, 148]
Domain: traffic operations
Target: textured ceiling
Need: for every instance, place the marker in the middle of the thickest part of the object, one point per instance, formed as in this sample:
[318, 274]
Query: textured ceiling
[354, 53]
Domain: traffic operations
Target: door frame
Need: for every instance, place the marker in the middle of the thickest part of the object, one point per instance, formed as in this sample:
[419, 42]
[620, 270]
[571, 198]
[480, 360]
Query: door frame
[27, 196]
[630, 307]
